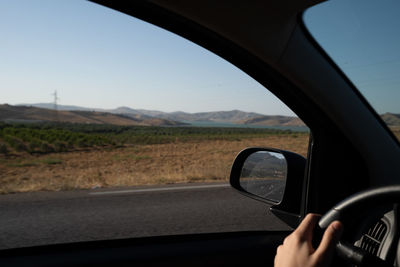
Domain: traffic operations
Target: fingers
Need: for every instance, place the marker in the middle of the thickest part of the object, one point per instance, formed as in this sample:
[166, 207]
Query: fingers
[306, 227]
[330, 238]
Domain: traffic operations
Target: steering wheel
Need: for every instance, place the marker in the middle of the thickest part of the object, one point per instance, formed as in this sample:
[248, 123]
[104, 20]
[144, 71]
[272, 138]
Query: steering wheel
[357, 204]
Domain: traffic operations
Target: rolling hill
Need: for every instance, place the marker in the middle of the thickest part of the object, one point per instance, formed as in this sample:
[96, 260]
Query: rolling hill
[275, 120]
[130, 116]
[10, 113]
[391, 119]
[233, 116]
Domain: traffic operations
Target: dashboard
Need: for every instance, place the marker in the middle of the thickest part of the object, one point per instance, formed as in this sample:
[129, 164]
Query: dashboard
[378, 234]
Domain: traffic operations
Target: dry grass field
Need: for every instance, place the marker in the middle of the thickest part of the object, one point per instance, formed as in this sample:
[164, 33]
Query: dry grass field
[179, 162]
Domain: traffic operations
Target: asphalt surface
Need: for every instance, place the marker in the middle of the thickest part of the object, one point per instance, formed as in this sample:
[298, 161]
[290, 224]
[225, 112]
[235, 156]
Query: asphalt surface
[31, 219]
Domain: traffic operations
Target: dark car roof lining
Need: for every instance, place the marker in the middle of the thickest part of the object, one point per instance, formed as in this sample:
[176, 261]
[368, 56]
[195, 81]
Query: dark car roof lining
[262, 27]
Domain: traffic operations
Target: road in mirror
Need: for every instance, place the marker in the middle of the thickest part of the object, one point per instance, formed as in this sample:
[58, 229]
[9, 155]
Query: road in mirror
[264, 175]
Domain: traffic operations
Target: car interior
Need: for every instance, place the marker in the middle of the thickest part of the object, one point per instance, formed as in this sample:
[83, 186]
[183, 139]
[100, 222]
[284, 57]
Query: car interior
[269, 41]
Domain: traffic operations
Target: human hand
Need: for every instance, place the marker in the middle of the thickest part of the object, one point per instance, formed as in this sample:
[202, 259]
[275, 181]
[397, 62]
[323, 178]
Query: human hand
[297, 249]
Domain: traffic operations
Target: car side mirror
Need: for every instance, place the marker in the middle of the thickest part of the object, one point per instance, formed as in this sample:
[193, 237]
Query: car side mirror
[264, 175]
[273, 176]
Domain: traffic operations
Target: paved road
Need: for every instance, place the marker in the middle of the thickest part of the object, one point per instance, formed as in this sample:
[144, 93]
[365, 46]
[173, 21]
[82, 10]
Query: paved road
[31, 219]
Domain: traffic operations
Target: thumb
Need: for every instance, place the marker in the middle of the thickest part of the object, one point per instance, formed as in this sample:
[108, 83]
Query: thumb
[329, 240]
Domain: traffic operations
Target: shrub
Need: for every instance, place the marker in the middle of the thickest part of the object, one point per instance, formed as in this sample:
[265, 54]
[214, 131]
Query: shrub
[51, 161]
[12, 141]
[70, 145]
[33, 145]
[21, 147]
[46, 148]
[60, 146]
[81, 143]
[3, 149]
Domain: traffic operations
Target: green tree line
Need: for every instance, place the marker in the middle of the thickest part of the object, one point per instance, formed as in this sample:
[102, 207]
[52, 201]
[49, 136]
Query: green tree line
[61, 137]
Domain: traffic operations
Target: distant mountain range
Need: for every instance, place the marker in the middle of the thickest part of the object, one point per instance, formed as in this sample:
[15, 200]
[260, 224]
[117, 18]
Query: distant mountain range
[123, 115]
[234, 116]
[129, 116]
[10, 113]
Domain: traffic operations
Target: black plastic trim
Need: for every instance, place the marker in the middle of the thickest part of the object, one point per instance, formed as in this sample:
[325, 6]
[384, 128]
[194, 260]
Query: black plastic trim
[220, 249]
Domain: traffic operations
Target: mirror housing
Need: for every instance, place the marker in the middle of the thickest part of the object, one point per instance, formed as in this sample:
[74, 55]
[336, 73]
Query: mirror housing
[290, 206]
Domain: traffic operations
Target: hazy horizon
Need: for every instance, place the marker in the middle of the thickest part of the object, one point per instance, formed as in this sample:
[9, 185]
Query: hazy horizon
[63, 106]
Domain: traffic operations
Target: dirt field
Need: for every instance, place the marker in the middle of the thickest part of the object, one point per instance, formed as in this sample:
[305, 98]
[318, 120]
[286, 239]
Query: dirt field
[202, 161]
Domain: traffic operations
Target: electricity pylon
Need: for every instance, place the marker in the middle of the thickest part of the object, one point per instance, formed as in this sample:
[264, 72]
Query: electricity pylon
[55, 104]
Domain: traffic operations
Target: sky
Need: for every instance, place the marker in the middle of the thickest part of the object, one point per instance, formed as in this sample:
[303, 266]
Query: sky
[363, 38]
[100, 58]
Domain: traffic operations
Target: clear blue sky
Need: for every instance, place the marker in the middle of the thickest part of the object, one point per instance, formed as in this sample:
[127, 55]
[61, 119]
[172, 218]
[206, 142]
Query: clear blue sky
[97, 57]
[363, 38]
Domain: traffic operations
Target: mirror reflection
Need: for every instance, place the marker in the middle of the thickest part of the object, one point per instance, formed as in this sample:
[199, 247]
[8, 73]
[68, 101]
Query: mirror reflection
[264, 175]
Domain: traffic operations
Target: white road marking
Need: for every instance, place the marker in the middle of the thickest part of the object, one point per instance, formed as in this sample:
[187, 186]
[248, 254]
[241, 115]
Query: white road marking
[159, 189]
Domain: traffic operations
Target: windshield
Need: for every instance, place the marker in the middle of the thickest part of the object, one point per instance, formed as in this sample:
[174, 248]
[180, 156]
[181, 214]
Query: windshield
[362, 37]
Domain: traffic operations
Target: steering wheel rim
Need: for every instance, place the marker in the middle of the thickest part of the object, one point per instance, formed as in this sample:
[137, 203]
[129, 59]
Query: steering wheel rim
[356, 204]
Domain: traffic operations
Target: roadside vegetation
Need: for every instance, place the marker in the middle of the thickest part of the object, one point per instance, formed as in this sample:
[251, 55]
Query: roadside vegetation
[57, 157]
